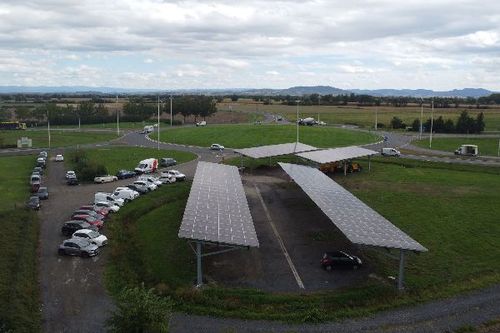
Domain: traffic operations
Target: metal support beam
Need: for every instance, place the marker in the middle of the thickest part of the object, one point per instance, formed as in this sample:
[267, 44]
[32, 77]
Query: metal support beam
[241, 160]
[369, 163]
[345, 168]
[401, 270]
[199, 272]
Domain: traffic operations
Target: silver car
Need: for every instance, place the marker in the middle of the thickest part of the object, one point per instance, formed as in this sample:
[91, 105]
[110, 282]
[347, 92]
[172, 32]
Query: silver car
[78, 247]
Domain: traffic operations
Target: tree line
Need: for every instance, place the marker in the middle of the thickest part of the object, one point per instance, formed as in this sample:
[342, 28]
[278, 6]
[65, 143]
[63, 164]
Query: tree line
[465, 124]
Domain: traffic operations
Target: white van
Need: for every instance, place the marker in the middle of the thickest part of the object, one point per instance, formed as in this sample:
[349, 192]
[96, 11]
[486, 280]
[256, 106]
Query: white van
[147, 166]
[102, 196]
[149, 129]
[201, 123]
[390, 152]
[125, 193]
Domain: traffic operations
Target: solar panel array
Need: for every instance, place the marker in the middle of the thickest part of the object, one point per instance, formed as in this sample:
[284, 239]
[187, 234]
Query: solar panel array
[217, 208]
[359, 223]
[275, 150]
[337, 154]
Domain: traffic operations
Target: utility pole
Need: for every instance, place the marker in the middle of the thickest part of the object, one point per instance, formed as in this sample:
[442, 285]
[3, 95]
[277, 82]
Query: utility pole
[117, 118]
[158, 127]
[376, 118]
[48, 127]
[432, 123]
[421, 117]
[171, 114]
[498, 152]
[298, 121]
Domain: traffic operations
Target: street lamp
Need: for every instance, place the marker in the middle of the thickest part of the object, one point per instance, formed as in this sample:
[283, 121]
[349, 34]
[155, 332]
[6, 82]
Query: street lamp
[158, 126]
[298, 101]
[432, 123]
[171, 115]
[421, 116]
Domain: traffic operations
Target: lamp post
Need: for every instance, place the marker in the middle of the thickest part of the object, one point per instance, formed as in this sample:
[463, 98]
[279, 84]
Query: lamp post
[376, 118]
[297, 125]
[421, 117]
[158, 126]
[432, 123]
[117, 118]
[48, 126]
[171, 114]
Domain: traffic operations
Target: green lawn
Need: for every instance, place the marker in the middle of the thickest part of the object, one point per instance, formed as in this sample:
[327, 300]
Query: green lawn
[58, 138]
[116, 158]
[112, 126]
[487, 146]
[451, 210]
[19, 291]
[241, 136]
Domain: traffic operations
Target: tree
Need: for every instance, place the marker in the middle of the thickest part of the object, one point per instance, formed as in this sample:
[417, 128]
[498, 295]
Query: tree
[415, 126]
[397, 123]
[465, 123]
[449, 126]
[479, 125]
[140, 310]
[23, 113]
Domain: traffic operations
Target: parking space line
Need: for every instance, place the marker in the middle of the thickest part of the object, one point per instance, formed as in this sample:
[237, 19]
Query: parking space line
[280, 241]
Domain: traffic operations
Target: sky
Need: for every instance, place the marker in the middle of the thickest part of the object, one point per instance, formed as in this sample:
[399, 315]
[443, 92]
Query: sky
[154, 44]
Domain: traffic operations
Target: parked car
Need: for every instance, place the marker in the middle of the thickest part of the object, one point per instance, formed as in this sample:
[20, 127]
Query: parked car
[125, 193]
[70, 227]
[201, 123]
[33, 202]
[38, 169]
[167, 161]
[89, 219]
[41, 162]
[43, 153]
[106, 204]
[92, 236]
[140, 190]
[90, 212]
[43, 193]
[151, 179]
[35, 179]
[167, 179]
[144, 184]
[174, 173]
[59, 158]
[72, 181]
[103, 196]
[105, 179]
[216, 146]
[78, 247]
[123, 174]
[104, 211]
[70, 174]
[36, 173]
[340, 259]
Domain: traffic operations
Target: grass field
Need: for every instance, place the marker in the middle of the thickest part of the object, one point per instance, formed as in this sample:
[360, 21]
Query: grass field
[365, 116]
[487, 146]
[58, 138]
[117, 158]
[19, 292]
[241, 136]
[460, 230]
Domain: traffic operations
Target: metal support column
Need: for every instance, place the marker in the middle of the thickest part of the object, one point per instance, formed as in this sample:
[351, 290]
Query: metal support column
[369, 163]
[241, 160]
[401, 270]
[199, 273]
[345, 168]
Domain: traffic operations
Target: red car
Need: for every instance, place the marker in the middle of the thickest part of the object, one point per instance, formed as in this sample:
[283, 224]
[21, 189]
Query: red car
[103, 211]
[89, 219]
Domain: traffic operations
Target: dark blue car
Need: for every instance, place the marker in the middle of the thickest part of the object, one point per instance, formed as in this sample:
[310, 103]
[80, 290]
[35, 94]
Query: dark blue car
[122, 174]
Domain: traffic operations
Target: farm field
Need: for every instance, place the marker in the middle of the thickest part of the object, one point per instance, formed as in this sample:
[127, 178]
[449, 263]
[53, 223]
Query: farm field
[19, 292]
[487, 146]
[364, 116]
[58, 138]
[241, 136]
[117, 158]
[462, 253]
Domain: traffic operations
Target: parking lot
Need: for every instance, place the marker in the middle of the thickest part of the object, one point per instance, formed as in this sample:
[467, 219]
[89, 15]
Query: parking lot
[305, 233]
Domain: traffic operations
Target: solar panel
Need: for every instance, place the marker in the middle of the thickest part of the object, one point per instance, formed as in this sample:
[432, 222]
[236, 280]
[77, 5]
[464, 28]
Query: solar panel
[217, 208]
[275, 150]
[358, 222]
[337, 154]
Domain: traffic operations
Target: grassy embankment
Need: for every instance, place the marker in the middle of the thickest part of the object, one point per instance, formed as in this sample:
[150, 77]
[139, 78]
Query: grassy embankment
[451, 209]
[58, 138]
[487, 146]
[115, 158]
[19, 291]
[241, 136]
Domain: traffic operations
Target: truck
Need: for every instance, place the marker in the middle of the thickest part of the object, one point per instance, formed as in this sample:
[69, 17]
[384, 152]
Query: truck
[201, 123]
[390, 152]
[307, 121]
[467, 150]
[147, 166]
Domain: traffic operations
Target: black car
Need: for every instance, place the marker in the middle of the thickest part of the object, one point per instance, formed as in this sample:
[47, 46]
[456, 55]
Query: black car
[43, 193]
[78, 247]
[137, 189]
[33, 203]
[167, 161]
[123, 174]
[70, 227]
[340, 259]
[72, 181]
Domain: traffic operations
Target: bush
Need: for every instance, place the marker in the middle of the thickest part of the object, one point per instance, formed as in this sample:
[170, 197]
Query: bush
[86, 169]
[140, 310]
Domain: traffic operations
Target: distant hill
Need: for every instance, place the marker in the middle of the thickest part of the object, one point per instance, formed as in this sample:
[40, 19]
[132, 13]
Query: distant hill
[292, 91]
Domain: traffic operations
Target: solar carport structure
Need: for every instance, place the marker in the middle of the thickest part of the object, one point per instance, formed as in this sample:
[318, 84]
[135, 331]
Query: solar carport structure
[338, 154]
[274, 150]
[358, 222]
[217, 212]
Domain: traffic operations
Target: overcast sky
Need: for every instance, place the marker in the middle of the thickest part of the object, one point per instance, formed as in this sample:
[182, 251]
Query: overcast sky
[373, 44]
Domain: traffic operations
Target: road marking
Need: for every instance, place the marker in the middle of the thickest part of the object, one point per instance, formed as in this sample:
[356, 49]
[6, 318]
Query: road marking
[280, 241]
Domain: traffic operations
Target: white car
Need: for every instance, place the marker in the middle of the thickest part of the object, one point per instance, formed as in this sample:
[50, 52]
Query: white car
[216, 146]
[174, 173]
[59, 158]
[125, 194]
[167, 179]
[70, 174]
[103, 196]
[151, 179]
[145, 185]
[92, 236]
[105, 179]
[106, 204]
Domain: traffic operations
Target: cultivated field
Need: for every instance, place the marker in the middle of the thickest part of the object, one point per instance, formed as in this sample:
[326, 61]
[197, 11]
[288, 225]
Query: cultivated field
[408, 193]
[242, 136]
[487, 146]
